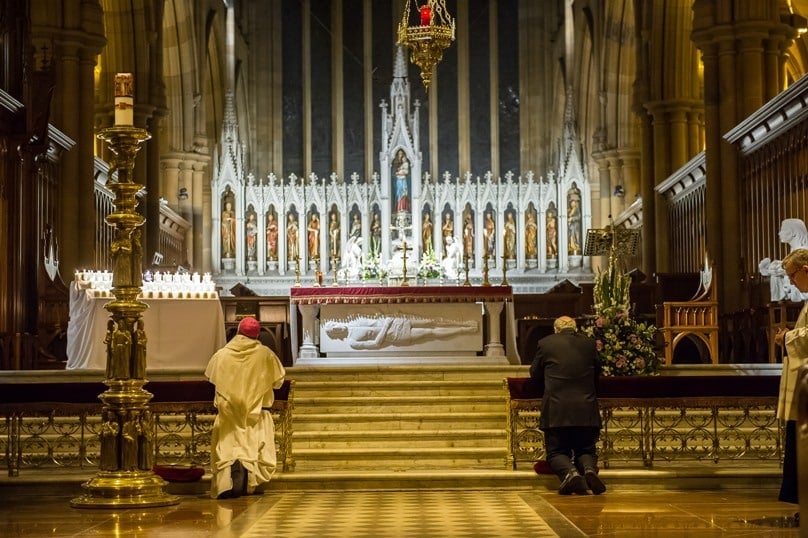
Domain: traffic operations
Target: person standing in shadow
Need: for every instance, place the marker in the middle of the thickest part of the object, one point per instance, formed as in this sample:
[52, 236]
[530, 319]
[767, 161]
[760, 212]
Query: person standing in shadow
[244, 372]
[795, 345]
[568, 365]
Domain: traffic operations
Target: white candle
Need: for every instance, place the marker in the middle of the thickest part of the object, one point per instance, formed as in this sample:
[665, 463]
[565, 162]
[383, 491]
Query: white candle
[124, 99]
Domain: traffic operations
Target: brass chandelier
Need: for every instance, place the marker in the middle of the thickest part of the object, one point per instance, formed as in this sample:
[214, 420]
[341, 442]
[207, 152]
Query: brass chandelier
[427, 35]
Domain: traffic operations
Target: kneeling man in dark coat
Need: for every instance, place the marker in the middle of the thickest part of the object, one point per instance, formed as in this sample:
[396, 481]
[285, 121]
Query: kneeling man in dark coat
[568, 365]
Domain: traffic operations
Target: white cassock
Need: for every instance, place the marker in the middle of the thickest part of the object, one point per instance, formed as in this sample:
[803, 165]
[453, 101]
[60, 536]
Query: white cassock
[244, 372]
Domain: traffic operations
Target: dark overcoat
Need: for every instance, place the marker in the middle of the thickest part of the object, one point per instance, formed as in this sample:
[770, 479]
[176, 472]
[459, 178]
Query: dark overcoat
[567, 363]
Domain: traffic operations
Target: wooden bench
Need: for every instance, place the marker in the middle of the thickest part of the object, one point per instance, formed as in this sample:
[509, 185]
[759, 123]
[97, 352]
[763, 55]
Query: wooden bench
[57, 424]
[661, 418]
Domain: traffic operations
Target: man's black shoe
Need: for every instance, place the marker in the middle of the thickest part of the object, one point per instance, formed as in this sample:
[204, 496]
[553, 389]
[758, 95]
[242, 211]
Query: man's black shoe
[594, 482]
[573, 483]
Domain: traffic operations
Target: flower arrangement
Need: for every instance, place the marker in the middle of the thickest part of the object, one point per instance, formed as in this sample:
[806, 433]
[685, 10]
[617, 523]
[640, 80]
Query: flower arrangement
[626, 346]
[429, 266]
[372, 267]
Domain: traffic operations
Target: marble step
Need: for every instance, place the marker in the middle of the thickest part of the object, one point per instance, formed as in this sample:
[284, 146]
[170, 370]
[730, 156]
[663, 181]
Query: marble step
[400, 459]
[398, 404]
[398, 421]
[398, 439]
[399, 387]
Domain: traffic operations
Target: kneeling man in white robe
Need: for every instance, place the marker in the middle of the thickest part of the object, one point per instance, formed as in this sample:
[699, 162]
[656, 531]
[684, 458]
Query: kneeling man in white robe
[244, 371]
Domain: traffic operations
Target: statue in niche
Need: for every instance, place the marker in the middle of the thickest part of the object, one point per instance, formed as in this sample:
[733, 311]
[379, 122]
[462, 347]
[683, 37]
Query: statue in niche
[139, 352]
[376, 233]
[531, 236]
[129, 438]
[794, 233]
[333, 235]
[552, 235]
[108, 339]
[489, 235]
[136, 259]
[109, 441]
[121, 248]
[468, 236]
[574, 223]
[145, 449]
[380, 332]
[426, 233]
[510, 236]
[401, 170]
[121, 351]
[251, 232]
[313, 230]
[228, 231]
[447, 231]
[272, 237]
[292, 249]
[356, 227]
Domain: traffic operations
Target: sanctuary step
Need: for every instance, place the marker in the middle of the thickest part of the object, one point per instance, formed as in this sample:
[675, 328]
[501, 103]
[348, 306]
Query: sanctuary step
[400, 418]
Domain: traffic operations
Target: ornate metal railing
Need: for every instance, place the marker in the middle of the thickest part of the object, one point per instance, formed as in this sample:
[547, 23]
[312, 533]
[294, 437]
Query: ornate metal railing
[66, 436]
[646, 430]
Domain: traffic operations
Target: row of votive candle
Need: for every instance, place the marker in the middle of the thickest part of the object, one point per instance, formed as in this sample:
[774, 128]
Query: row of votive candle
[155, 285]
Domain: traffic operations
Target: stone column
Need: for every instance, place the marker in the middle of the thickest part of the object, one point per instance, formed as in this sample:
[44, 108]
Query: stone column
[309, 313]
[494, 347]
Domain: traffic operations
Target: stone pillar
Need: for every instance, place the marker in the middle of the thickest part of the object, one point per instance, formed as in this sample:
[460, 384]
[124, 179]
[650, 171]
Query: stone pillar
[494, 347]
[309, 349]
[736, 45]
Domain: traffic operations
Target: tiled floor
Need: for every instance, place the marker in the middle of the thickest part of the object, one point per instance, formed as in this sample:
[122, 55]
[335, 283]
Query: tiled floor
[496, 513]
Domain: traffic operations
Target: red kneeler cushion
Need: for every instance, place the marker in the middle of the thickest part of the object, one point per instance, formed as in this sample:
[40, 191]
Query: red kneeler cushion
[176, 473]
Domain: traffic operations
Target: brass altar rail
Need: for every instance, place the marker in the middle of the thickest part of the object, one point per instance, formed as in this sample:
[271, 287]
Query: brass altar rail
[59, 435]
[645, 430]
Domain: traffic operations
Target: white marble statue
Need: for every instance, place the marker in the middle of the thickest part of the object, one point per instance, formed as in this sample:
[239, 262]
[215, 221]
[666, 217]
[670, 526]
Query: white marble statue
[352, 259]
[451, 263]
[380, 332]
[794, 233]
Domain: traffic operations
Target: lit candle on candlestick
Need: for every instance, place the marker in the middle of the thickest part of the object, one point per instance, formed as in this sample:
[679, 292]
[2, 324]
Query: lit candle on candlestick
[124, 99]
[426, 15]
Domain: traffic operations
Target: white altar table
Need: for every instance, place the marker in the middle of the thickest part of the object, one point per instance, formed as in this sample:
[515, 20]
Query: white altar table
[394, 324]
[181, 333]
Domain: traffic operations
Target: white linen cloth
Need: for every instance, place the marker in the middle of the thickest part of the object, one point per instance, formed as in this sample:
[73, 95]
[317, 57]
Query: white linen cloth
[181, 333]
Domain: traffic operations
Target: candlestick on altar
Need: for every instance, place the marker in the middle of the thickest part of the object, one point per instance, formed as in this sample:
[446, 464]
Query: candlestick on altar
[334, 267]
[486, 282]
[318, 275]
[504, 272]
[297, 270]
[124, 100]
[466, 269]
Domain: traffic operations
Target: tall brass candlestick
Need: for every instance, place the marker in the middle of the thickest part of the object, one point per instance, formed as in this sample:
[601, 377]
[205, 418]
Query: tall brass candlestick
[504, 272]
[486, 282]
[125, 477]
[466, 268]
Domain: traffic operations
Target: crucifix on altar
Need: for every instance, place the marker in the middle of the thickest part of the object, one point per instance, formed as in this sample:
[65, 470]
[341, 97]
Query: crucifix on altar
[402, 228]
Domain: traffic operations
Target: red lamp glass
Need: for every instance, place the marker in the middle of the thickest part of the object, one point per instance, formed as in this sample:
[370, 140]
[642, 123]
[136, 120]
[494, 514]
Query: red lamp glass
[426, 15]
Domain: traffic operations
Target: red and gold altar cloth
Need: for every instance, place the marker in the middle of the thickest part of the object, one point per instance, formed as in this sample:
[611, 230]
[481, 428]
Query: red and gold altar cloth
[400, 294]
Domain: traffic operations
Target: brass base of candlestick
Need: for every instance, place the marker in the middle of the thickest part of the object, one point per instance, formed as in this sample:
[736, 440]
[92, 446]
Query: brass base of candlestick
[124, 489]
